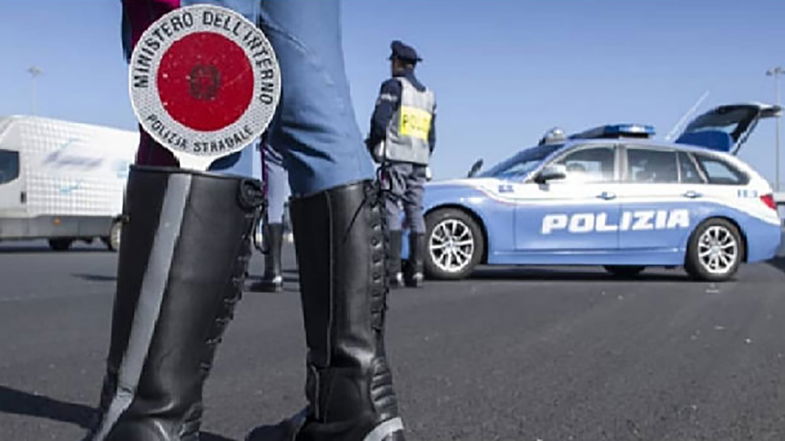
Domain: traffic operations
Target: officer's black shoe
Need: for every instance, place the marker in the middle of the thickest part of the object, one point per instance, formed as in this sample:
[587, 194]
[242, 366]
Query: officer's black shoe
[272, 280]
[394, 259]
[339, 238]
[415, 280]
[185, 249]
[414, 266]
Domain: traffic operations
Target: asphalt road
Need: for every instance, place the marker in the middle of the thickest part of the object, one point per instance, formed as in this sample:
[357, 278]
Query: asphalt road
[550, 354]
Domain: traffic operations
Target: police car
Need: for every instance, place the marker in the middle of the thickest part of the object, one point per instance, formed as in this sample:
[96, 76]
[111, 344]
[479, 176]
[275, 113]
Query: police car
[612, 196]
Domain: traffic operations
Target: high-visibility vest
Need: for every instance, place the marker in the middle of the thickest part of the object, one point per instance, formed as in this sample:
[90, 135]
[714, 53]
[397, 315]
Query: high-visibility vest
[409, 127]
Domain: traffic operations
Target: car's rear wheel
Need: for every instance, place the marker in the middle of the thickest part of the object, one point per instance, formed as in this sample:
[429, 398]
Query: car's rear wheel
[624, 270]
[715, 251]
[454, 244]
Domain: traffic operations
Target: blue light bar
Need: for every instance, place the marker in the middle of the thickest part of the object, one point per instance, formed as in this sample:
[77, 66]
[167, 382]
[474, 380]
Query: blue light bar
[617, 131]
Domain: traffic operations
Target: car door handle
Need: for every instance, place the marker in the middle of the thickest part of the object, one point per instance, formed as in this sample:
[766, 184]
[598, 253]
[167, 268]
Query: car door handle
[692, 194]
[607, 195]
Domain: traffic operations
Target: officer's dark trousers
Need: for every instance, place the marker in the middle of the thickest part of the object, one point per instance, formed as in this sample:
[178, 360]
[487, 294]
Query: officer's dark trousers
[405, 182]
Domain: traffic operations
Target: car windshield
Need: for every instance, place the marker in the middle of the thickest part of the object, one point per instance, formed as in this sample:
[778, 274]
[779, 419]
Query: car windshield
[522, 163]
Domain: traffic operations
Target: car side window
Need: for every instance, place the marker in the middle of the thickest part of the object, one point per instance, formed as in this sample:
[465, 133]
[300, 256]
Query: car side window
[594, 164]
[9, 166]
[720, 172]
[652, 166]
[688, 171]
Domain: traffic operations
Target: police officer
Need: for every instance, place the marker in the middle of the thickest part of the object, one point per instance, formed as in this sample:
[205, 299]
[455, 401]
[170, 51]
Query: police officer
[276, 193]
[185, 251]
[402, 138]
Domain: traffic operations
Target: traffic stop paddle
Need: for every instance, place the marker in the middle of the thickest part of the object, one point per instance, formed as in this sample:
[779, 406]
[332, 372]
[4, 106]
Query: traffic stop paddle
[204, 82]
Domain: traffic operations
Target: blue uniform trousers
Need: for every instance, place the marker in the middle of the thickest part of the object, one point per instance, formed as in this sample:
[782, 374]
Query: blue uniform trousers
[275, 183]
[315, 127]
[406, 182]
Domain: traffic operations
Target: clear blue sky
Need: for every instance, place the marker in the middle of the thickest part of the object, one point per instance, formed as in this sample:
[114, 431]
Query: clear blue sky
[504, 70]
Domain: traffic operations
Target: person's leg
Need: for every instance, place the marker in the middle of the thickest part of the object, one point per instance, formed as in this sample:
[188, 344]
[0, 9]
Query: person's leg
[350, 394]
[338, 224]
[394, 271]
[276, 191]
[272, 279]
[339, 238]
[276, 180]
[150, 152]
[412, 206]
[395, 181]
[315, 127]
[181, 266]
[137, 16]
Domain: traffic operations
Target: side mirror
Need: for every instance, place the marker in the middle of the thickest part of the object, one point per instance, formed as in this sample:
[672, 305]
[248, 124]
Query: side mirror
[551, 172]
[475, 168]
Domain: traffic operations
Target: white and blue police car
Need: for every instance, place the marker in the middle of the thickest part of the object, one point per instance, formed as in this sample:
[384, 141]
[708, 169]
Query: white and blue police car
[614, 197]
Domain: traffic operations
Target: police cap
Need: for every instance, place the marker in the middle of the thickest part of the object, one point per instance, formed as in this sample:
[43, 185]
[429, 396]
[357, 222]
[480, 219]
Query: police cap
[403, 52]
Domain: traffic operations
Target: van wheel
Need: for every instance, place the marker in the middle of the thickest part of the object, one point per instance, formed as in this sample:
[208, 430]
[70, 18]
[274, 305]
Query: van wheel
[715, 251]
[454, 244]
[60, 243]
[112, 241]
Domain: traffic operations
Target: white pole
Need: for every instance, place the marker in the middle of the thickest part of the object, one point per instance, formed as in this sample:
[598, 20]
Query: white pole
[777, 142]
[776, 72]
[33, 109]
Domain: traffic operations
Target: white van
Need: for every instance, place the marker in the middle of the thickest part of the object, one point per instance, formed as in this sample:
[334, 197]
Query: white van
[62, 181]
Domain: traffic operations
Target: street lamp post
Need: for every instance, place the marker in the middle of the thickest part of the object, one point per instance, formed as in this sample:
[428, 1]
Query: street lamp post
[34, 73]
[776, 72]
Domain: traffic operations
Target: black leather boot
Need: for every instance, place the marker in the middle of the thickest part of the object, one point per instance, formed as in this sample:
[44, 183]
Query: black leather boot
[272, 280]
[339, 238]
[414, 266]
[395, 275]
[185, 250]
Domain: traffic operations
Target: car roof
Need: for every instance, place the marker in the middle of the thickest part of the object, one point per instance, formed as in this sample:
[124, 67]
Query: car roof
[644, 142]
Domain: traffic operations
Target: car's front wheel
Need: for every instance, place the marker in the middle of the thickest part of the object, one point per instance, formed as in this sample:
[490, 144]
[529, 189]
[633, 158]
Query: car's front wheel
[715, 251]
[454, 244]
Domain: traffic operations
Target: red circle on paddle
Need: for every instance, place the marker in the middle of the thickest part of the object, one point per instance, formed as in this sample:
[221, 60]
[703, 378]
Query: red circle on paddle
[205, 81]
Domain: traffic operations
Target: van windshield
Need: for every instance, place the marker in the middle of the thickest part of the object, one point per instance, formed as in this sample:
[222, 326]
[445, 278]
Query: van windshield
[522, 163]
[9, 166]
